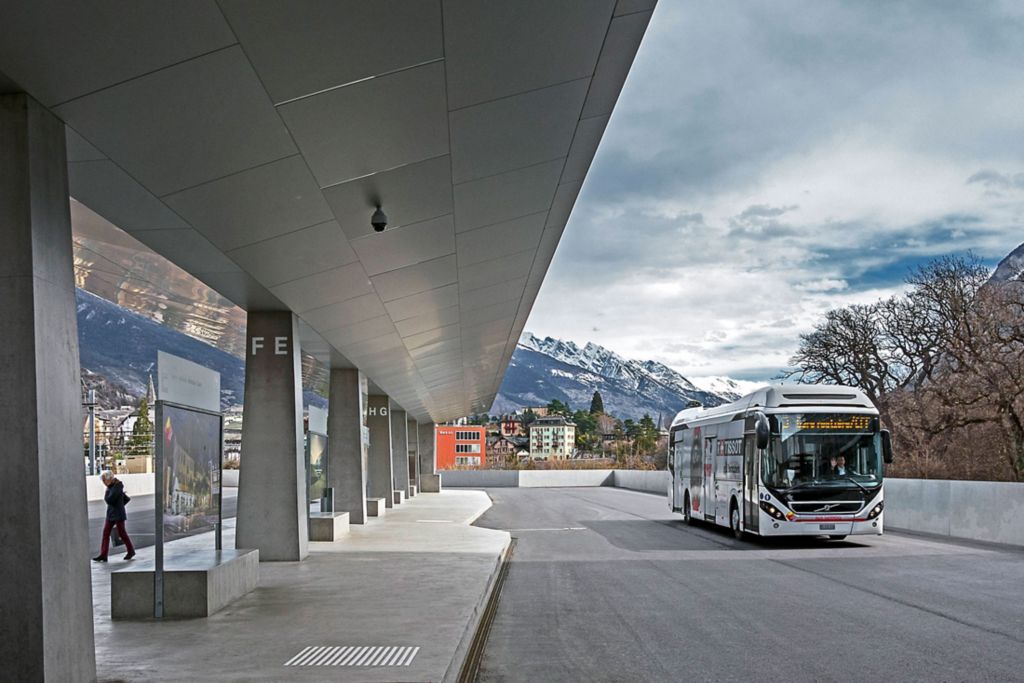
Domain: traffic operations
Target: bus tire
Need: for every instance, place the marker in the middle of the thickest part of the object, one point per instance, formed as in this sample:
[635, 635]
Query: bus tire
[734, 520]
[836, 537]
[687, 517]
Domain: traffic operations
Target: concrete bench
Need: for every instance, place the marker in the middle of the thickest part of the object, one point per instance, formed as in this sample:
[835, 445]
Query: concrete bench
[399, 497]
[197, 583]
[375, 507]
[412, 490]
[327, 526]
[430, 483]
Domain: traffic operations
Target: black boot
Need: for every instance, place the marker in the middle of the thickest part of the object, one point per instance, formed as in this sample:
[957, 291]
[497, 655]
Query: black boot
[130, 555]
[100, 558]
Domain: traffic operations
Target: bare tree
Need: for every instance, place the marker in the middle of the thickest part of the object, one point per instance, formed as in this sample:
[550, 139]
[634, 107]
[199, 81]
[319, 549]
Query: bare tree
[944, 363]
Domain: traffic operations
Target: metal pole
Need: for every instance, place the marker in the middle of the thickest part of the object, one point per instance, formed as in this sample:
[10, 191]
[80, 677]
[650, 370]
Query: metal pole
[158, 505]
[92, 430]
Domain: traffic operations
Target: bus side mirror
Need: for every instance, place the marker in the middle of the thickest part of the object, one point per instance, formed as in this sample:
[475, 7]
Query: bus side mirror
[762, 430]
[886, 446]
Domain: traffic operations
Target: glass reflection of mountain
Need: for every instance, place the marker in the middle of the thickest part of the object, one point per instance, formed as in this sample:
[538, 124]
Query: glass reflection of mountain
[114, 266]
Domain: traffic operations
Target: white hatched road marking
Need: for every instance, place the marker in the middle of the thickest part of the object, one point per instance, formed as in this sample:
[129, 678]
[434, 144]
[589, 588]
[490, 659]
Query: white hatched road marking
[355, 655]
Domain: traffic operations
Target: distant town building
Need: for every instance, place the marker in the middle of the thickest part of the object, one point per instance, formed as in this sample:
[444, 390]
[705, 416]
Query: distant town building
[512, 425]
[460, 446]
[552, 438]
[505, 451]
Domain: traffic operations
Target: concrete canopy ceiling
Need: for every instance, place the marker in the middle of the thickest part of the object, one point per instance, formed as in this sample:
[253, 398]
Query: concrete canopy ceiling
[248, 141]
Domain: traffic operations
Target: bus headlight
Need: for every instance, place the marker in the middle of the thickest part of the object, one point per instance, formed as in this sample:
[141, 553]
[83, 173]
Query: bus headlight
[877, 510]
[772, 510]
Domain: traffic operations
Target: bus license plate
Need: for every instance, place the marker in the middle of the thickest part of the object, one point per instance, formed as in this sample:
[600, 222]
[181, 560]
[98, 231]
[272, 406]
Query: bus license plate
[826, 527]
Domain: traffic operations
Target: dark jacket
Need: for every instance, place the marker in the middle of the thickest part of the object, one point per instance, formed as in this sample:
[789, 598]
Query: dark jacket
[114, 498]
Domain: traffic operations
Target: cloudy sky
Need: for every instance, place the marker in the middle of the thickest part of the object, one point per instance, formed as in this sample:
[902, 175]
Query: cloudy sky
[770, 160]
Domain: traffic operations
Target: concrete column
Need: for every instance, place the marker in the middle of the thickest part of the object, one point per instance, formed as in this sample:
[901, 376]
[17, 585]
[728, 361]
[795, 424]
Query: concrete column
[400, 449]
[430, 482]
[414, 460]
[382, 479]
[349, 446]
[272, 504]
[45, 585]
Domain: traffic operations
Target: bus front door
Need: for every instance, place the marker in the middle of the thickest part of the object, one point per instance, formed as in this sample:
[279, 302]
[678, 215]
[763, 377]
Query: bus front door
[709, 479]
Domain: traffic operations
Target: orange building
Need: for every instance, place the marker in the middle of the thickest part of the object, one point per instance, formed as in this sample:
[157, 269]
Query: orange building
[459, 446]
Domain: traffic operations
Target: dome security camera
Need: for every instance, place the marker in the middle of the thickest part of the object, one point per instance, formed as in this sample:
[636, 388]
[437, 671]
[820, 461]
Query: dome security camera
[379, 220]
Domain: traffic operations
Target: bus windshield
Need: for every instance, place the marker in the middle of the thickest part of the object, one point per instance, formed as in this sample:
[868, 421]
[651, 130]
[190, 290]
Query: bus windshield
[823, 449]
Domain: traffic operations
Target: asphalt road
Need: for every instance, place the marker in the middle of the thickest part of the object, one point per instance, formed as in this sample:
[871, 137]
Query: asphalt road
[608, 585]
[140, 524]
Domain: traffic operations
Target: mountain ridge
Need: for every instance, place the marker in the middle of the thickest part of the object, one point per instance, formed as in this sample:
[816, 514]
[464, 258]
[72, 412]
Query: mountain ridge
[545, 369]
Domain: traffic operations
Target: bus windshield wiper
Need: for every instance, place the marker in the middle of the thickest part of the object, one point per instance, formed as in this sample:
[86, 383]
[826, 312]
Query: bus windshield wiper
[802, 484]
[847, 477]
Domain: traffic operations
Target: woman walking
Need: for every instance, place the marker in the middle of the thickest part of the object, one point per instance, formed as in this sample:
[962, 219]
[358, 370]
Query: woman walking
[115, 498]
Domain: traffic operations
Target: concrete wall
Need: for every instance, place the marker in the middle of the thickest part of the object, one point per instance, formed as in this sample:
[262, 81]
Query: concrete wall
[538, 478]
[526, 478]
[651, 481]
[229, 479]
[976, 510]
[480, 478]
[134, 485]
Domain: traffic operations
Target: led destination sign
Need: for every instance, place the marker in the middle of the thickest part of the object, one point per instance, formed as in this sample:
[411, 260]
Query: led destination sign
[825, 422]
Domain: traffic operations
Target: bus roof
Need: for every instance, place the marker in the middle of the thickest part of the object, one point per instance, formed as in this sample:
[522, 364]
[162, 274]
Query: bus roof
[781, 396]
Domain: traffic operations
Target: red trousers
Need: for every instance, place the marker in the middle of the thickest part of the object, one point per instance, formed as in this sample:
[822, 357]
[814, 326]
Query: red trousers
[107, 526]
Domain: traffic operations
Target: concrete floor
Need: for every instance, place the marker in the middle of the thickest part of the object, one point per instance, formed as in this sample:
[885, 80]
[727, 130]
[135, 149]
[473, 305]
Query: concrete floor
[608, 585]
[416, 577]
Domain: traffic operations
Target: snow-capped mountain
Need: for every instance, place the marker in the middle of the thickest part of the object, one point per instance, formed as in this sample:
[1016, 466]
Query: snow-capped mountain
[1011, 268]
[546, 369]
[726, 387]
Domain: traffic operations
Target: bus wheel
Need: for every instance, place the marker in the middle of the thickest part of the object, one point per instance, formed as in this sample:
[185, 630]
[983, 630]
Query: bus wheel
[734, 521]
[687, 517]
[837, 537]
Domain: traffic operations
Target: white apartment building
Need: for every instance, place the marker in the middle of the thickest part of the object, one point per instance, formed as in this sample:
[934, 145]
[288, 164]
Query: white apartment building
[552, 438]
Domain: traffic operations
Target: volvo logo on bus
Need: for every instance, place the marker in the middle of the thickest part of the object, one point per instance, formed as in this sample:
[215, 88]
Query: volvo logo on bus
[827, 507]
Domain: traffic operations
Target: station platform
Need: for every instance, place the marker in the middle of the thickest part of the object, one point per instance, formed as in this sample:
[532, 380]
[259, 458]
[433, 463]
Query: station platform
[398, 598]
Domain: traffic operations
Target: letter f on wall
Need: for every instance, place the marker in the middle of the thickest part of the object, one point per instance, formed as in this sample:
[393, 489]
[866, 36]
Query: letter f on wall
[257, 344]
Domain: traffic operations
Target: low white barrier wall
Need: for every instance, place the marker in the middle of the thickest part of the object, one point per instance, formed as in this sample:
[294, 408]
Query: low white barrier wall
[479, 478]
[134, 485]
[541, 478]
[973, 510]
[229, 479]
[651, 481]
[976, 510]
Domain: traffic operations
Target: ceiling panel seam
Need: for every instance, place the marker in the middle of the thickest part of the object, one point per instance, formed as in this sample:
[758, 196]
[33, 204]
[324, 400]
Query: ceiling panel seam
[522, 92]
[229, 175]
[143, 75]
[513, 170]
[384, 170]
[358, 81]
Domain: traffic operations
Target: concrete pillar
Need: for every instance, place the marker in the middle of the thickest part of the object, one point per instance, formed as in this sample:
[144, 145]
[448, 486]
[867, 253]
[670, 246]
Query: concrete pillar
[430, 482]
[414, 460]
[272, 494]
[382, 479]
[45, 584]
[400, 449]
[349, 446]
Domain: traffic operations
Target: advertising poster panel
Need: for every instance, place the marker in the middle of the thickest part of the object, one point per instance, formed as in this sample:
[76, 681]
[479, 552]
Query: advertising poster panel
[191, 472]
[316, 469]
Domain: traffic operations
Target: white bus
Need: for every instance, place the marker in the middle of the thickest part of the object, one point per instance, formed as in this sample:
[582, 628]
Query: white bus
[783, 460]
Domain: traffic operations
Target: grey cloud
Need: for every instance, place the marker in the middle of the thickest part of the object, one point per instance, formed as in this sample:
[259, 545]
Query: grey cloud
[996, 180]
